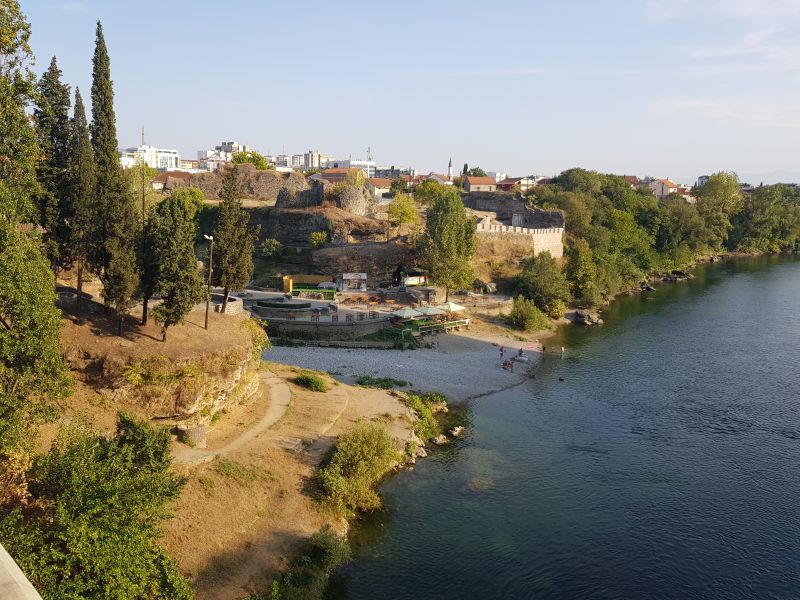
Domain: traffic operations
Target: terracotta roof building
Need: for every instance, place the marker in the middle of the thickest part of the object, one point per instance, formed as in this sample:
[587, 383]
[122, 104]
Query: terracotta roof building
[480, 184]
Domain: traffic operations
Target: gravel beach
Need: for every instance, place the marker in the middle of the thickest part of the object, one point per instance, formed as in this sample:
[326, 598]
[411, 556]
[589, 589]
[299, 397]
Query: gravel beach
[460, 367]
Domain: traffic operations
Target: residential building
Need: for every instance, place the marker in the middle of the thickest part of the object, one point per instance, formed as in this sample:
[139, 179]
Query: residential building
[379, 187]
[524, 183]
[298, 161]
[162, 180]
[233, 147]
[392, 172]
[662, 188]
[187, 164]
[439, 178]
[163, 159]
[632, 180]
[686, 193]
[312, 159]
[702, 180]
[333, 175]
[497, 176]
[368, 166]
[479, 184]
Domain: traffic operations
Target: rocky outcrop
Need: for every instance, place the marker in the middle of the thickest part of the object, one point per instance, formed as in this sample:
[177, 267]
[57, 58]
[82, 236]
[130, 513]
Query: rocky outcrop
[293, 226]
[257, 185]
[377, 260]
[587, 317]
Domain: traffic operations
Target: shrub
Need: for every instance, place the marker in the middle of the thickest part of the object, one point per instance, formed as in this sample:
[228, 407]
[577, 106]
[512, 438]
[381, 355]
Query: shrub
[362, 457]
[426, 425]
[270, 247]
[307, 578]
[315, 383]
[524, 315]
[318, 239]
[383, 383]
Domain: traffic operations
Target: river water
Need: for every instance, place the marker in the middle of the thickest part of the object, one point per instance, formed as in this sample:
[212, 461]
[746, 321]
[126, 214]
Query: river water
[666, 464]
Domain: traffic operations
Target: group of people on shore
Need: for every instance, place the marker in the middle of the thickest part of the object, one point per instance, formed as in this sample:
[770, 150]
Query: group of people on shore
[508, 363]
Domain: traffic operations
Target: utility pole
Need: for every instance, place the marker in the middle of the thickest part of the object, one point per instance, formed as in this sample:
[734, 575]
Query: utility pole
[210, 238]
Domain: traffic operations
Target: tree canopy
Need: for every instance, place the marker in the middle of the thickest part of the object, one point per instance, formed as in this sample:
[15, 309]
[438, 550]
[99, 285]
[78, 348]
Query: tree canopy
[254, 158]
[402, 211]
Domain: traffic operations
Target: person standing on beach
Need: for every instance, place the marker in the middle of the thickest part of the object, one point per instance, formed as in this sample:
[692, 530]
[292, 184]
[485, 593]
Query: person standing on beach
[502, 351]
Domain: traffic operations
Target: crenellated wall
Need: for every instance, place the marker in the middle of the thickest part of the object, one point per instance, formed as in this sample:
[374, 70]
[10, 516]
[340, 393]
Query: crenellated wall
[543, 239]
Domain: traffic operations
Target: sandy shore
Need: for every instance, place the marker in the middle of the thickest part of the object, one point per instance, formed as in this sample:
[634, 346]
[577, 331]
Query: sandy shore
[462, 365]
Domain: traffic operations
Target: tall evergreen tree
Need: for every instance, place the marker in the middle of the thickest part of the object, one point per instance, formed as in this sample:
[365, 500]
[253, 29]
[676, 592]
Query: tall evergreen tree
[449, 242]
[51, 116]
[80, 192]
[234, 241]
[172, 233]
[115, 256]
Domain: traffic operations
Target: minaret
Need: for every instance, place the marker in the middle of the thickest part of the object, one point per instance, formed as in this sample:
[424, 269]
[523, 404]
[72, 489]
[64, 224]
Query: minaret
[450, 168]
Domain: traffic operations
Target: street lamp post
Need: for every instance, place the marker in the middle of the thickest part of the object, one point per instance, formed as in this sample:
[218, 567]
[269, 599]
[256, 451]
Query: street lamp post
[210, 238]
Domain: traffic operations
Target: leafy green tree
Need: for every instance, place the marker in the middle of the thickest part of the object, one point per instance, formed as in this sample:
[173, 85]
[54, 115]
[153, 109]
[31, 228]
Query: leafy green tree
[270, 247]
[402, 211]
[476, 172]
[18, 147]
[582, 274]
[93, 524]
[526, 316]
[717, 200]
[32, 369]
[449, 243]
[769, 220]
[114, 257]
[398, 186]
[254, 158]
[681, 232]
[51, 116]
[140, 183]
[179, 284]
[234, 240]
[80, 194]
[192, 198]
[542, 281]
[428, 190]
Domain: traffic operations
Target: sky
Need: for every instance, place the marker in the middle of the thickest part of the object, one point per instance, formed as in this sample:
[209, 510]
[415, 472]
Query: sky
[667, 88]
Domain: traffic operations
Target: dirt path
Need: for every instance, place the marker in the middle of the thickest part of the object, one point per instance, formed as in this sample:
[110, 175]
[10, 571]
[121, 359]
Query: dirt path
[279, 399]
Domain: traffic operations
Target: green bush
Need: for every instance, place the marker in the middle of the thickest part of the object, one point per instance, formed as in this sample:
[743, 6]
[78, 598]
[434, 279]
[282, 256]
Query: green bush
[524, 315]
[383, 383]
[362, 457]
[426, 426]
[315, 383]
[318, 239]
[307, 578]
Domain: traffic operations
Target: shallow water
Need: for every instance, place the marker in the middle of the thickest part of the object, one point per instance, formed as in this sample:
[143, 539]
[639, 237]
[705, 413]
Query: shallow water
[664, 465]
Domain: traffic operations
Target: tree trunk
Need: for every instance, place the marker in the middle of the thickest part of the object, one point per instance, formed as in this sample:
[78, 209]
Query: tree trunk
[164, 334]
[224, 300]
[446, 294]
[119, 325]
[80, 285]
[145, 300]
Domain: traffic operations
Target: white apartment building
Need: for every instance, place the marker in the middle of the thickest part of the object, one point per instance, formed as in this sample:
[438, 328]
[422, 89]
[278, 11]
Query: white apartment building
[163, 159]
[368, 166]
[497, 176]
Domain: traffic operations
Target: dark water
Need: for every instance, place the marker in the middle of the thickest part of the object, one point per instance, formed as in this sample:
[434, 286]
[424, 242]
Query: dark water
[665, 465]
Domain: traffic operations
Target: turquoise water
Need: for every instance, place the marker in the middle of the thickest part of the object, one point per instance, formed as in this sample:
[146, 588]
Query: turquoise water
[666, 464]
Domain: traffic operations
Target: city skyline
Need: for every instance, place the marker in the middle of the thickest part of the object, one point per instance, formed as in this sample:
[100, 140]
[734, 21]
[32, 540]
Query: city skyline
[668, 88]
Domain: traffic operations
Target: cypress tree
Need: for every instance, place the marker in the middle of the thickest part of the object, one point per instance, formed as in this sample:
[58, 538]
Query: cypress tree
[80, 192]
[172, 233]
[51, 116]
[115, 256]
[234, 241]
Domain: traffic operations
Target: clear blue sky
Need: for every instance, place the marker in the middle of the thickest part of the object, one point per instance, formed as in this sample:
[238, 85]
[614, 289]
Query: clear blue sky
[669, 88]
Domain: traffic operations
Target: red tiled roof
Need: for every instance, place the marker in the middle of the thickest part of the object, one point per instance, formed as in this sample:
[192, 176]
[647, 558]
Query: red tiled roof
[440, 176]
[174, 174]
[481, 180]
[510, 181]
[337, 170]
[380, 182]
[632, 179]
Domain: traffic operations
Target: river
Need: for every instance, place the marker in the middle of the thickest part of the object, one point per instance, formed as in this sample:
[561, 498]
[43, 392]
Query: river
[659, 459]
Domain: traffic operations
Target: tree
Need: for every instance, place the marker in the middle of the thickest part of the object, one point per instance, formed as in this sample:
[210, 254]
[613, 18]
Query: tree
[91, 525]
[448, 245]
[18, 147]
[582, 274]
[80, 193]
[526, 316]
[717, 200]
[51, 116]
[114, 257]
[254, 158]
[270, 247]
[172, 234]
[140, 183]
[398, 186]
[234, 241]
[192, 199]
[32, 369]
[318, 239]
[355, 177]
[476, 172]
[427, 191]
[402, 211]
[542, 281]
